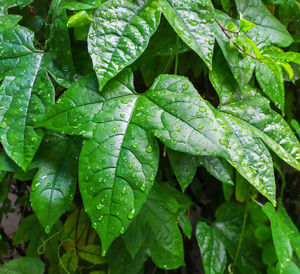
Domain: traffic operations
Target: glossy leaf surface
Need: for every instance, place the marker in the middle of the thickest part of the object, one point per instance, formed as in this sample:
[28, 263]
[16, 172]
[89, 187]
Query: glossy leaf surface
[119, 34]
[26, 93]
[23, 265]
[192, 21]
[54, 185]
[253, 111]
[213, 252]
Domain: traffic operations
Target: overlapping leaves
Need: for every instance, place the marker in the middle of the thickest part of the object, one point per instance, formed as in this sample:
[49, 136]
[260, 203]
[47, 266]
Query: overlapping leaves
[119, 158]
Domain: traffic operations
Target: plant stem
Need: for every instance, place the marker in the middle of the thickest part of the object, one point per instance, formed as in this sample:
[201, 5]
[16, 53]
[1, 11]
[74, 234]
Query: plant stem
[242, 234]
[176, 55]
[230, 38]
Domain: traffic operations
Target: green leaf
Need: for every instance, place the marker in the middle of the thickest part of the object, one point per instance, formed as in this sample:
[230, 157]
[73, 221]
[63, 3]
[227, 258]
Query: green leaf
[219, 168]
[267, 30]
[83, 5]
[92, 254]
[228, 224]
[184, 167]
[23, 265]
[245, 25]
[80, 19]
[26, 93]
[270, 78]
[290, 229]
[193, 22]
[158, 222]
[6, 4]
[8, 21]
[4, 186]
[69, 261]
[119, 35]
[54, 185]
[253, 111]
[213, 251]
[241, 65]
[119, 159]
[58, 42]
[268, 254]
[185, 224]
[280, 238]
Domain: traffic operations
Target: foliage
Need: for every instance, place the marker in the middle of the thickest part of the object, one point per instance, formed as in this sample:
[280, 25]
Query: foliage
[143, 136]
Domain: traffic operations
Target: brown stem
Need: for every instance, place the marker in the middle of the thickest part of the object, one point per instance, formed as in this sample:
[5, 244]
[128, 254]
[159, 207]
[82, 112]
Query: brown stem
[234, 43]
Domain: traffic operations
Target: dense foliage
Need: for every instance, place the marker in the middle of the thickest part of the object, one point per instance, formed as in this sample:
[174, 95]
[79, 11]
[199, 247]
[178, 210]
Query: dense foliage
[150, 136]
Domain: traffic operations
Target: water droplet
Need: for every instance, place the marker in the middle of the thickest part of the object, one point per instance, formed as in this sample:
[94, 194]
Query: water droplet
[122, 230]
[124, 190]
[185, 86]
[47, 229]
[99, 206]
[143, 187]
[133, 175]
[3, 124]
[149, 149]
[100, 218]
[113, 130]
[131, 214]
[202, 109]
[152, 177]
[200, 126]
[122, 115]
[135, 145]
[222, 142]
[103, 253]
[178, 128]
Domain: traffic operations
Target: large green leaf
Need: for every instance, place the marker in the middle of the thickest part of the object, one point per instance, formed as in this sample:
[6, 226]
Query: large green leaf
[193, 22]
[119, 159]
[252, 111]
[213, 252]
[119, 35]
[54, 185]
[26, 93]
[23, 265]
[267, 30]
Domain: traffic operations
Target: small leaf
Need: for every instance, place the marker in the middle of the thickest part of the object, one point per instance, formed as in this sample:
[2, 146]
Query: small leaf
[281, 241]
[193, 22]
[92, 254]
[69, 261]
[267, 29]
[54, 185]
[213, 251]
[245, 25]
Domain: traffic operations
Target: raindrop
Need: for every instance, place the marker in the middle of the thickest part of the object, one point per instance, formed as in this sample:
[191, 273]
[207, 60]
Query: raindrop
[202, 109]
[131, 214]
[99, 206]
[185, 86]
[122, 230]
[143, 187]
[149, 149]
[47, 229]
